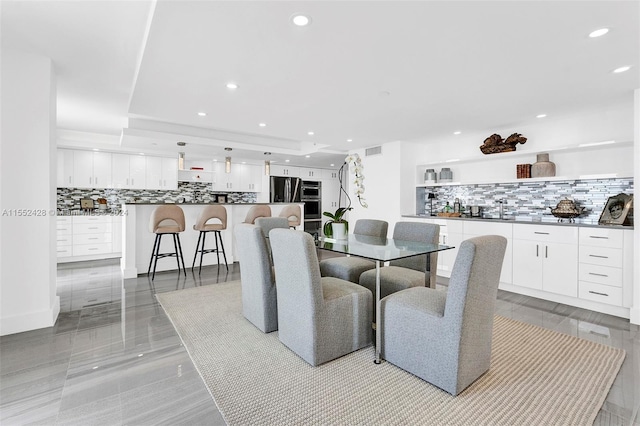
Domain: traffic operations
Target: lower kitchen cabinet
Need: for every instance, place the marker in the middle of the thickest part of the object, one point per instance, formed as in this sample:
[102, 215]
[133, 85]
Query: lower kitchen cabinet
[546, 258]
[88, 237]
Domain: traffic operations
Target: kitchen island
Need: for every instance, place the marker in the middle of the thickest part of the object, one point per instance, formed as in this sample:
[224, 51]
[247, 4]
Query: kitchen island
[137, 241]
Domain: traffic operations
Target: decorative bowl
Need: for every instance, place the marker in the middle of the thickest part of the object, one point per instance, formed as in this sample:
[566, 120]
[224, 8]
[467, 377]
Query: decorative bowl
[567, 209]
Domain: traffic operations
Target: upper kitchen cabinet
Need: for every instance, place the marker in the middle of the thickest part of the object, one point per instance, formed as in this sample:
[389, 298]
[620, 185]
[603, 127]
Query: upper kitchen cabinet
[198, 171]
[65, 168]
[310, 174]
[228, 182]
[282, 170]
[91, 169]
[250, 178]
[128, 171]
[161, 173]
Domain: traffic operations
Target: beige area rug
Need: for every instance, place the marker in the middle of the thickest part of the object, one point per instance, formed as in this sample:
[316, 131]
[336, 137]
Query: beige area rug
[537, 376]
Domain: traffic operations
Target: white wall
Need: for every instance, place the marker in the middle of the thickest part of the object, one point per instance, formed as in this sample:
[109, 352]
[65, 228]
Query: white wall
[28, 265]
[635, 308]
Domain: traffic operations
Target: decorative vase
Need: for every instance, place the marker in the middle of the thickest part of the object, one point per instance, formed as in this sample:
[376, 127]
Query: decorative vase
[543, 167]
[339, 230]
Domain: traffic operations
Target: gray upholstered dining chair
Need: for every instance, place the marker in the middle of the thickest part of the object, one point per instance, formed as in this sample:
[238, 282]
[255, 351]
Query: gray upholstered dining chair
[350, 268]
[409, 272]
[256, 212]
[319, 319]
[259, 300]
[266, 224]
[444, 336]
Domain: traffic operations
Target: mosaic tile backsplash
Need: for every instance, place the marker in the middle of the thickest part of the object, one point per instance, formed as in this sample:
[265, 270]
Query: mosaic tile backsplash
[69, 198]
[526, 198]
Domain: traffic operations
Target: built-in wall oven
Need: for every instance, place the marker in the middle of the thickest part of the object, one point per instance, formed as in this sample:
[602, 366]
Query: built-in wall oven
[311, 196]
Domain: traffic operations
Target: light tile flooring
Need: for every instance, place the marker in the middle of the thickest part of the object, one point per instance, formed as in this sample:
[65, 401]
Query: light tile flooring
[114, 358]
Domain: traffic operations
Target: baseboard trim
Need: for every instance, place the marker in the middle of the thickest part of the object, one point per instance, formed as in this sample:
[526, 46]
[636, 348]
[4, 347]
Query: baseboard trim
[31, 321]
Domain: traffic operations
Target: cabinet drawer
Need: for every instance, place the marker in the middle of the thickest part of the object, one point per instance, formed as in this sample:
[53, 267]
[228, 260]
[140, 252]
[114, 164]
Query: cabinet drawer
[488, 228]
[600, 274]
[603, 256]
[65, 251]
[79, 220]
[91, 228]
[92, 238]
[64, 230]
[64, 240]
[601, 237]
[600, 293]
[89, 249]
[547, 234]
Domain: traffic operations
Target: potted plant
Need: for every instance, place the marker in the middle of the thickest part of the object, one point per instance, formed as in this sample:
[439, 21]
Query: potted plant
[338, 219]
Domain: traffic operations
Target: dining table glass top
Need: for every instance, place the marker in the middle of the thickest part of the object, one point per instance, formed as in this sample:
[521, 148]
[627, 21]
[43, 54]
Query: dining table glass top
[376, 248]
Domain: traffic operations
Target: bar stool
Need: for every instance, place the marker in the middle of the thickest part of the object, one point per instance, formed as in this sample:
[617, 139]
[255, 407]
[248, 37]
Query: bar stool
[293, 214]
[208, 213]
[166, 220]
[256, 212]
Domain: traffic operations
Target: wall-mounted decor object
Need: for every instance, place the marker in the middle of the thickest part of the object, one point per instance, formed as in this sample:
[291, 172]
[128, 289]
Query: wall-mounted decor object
[618, 211]
[495, 144]
[543, 167]
[523, 171]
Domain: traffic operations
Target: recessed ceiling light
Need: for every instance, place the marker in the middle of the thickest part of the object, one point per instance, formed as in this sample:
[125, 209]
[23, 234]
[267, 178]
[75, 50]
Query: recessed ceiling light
[457, 132]
[300, 20]
[598, 33]
[244, 162]
[141, 153]
[307, 156]
[215, 160]
[331, 165]
[262, 124]
[310, 133]
[286, 161]
[232, 85]
[202, 114]
[541, 115]
[349, 140]
[621, 69]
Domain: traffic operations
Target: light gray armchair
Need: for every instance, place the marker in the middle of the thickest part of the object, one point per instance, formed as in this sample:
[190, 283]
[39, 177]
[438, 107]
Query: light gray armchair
[319, 319]
[444, 336]
[350, 268]
[259, 298]
[410, 272]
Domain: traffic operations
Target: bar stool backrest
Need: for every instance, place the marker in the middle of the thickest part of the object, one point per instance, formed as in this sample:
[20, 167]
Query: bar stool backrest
[211, 212]
[256, 212]
[167, 216]
[293, 214]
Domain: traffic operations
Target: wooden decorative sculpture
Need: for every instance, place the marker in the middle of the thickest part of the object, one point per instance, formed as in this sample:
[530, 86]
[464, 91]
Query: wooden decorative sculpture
[494, 143]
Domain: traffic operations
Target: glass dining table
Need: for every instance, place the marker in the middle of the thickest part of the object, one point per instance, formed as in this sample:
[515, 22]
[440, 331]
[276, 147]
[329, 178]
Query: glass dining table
[379, 250]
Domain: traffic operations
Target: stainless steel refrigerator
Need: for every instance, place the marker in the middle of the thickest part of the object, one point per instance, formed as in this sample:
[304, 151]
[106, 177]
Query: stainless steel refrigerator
[285, 189]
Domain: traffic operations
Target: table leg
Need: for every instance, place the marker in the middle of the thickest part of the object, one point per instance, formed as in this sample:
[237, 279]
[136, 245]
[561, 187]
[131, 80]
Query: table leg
[378, 322]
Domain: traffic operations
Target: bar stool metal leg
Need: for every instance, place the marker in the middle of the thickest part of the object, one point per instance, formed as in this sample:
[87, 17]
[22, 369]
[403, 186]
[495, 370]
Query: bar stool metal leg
[202, 250]
[181, 256]
[195, 256]
[155, 242]
[223, 252]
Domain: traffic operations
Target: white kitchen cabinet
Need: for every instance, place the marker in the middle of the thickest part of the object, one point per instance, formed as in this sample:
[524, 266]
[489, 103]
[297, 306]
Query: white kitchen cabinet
[93, 237]
[283, 170]
[161, 173]
[91, 169]
[310, 174]
[475, 229]
[451, 234]
[330, 191]
[228, 182]
[64, 237]
[65, 168]
[601, 276]
[546, 258]
[250, 178]
[128, 171]
[204, 172]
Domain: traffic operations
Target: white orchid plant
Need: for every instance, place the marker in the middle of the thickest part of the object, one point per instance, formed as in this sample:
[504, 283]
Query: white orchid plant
[358, 181]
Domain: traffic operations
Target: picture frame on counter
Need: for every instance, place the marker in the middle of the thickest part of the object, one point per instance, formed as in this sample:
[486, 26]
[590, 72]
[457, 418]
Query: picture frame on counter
[616, 210]
[86, 204]
[221, 198]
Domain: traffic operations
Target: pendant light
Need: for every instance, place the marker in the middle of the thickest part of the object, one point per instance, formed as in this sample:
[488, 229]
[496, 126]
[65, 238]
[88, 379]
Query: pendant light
[227, 165]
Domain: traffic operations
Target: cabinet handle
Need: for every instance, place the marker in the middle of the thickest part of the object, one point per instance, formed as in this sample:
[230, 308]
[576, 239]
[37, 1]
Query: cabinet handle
[595, 236]
[131, 181]
[96, 182]
[94, 238]
[444, 239]
[127, 181]
[599, 294]
[93, 248]
[546, 251]
[537, 250]
[93, 227]
[541, 233]
[69, 179]
[601, 257]
[598, 275]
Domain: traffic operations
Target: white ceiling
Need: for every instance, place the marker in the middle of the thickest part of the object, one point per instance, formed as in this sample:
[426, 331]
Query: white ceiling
[373, 72]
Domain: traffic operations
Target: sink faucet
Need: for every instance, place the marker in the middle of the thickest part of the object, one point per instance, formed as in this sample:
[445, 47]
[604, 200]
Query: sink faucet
[502, 202]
